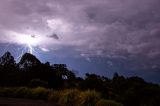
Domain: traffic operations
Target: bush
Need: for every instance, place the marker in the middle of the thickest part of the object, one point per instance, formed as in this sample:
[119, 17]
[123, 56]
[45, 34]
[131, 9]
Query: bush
[104, 102]
[7, 92]
[37, 83]
[89, 98]
[54, 96]
[70, 97]
[40, 93]
[23, 92]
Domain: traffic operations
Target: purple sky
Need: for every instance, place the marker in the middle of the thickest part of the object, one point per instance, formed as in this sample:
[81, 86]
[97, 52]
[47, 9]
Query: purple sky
[102, 36]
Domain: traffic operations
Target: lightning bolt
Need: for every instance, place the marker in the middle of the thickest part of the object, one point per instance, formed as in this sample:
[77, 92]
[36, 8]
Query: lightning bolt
[20, 52]
[27, 48]
[27, 43]
[30, 49]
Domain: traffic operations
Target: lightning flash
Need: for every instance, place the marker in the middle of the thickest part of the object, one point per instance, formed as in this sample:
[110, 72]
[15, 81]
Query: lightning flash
[28, 42]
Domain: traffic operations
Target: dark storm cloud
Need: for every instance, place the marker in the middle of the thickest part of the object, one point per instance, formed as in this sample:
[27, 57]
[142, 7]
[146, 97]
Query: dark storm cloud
[54, 36]
[103, 28]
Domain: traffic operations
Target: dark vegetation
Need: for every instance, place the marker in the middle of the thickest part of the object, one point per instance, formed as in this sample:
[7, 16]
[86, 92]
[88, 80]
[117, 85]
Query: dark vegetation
[32, 79]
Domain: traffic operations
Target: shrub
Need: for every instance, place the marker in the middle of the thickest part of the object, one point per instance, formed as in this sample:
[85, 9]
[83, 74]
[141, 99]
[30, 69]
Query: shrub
[89, 98]
[104, 102]
[37, 83]
[40, 93]
[5, 92]
[23, 92]
[54, 96]
[70, 97]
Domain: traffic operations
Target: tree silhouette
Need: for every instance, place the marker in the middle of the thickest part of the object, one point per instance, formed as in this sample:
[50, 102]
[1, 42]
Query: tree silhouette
[28, 61]
[7, 60]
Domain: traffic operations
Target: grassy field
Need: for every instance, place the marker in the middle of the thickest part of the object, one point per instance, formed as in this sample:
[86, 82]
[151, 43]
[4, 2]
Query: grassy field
[40, 96]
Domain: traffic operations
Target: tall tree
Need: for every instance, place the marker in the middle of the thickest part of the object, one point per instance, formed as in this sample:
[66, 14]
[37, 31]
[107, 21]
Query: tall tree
[7, 60]
[28, 61]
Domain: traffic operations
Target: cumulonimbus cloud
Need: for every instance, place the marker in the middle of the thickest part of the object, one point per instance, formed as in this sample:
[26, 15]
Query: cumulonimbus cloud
[98, 28]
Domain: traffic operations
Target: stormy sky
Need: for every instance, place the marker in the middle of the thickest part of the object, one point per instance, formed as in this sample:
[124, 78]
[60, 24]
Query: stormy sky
[94, 36]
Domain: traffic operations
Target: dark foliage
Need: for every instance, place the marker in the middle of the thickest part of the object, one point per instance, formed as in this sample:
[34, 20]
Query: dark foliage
[30, 72]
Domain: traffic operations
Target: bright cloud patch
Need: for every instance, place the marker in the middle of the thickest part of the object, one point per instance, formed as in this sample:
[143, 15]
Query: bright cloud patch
[25, 39]
[59, 25]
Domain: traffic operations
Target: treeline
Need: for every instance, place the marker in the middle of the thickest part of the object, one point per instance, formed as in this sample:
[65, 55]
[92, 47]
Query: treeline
[30, 72]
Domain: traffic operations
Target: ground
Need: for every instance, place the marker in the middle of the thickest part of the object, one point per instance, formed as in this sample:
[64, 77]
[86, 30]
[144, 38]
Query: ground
[23, 102]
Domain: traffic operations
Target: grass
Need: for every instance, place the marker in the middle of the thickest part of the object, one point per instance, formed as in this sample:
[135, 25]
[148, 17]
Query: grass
[89, 98]
[40, 93]
[104, 102]
[23, 92]
[68, 97]
[55, 96]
